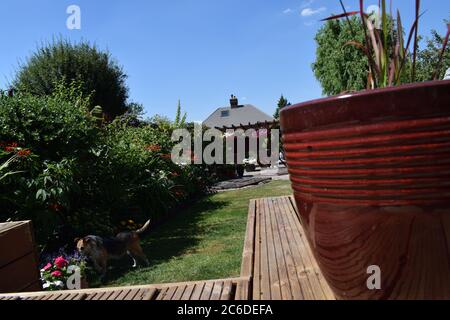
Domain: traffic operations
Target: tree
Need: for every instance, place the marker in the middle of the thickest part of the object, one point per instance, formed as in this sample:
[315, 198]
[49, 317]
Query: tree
[180, 121]
[100, 76]
[282, 103]
[428, 59]
[340, 67]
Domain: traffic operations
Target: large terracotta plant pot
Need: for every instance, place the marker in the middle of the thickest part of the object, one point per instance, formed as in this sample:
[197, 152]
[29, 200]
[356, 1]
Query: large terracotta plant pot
[371, 177]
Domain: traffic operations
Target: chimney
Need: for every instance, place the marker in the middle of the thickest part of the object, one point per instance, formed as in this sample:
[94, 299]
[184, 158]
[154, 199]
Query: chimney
[234, 103]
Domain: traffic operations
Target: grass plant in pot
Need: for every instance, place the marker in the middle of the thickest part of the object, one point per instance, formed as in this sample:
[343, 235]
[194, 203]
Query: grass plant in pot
[371, 174]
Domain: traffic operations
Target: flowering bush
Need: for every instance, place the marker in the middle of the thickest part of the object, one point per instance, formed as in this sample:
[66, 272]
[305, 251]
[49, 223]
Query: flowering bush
[55, 272]
[78, 177]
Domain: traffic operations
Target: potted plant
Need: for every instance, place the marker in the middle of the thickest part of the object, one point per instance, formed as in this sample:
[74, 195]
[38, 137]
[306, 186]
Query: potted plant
[370, 172]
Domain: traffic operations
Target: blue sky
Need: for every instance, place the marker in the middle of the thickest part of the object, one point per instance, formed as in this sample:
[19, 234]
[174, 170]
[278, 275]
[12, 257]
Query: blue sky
[199, 51]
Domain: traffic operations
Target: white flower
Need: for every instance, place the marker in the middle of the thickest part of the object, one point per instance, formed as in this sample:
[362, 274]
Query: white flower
[46, 285]
[59, 284]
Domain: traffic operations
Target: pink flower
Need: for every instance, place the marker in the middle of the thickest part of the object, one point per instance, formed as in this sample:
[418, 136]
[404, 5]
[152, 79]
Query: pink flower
[47, 266]
[56, 273]
[60, 262]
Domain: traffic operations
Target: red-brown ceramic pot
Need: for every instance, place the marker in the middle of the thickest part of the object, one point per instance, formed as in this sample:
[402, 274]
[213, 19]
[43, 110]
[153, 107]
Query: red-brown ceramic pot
[371, 177]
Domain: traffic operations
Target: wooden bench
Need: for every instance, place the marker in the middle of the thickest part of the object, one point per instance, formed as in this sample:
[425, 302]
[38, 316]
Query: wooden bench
[277, 257]
[18, 258]
[224, 289]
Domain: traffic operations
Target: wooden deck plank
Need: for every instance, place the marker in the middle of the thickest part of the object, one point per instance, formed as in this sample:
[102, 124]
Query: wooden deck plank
[188, 292]
[170, 293]
[265, 274]
[329, 295]
[207, 290]
[91, 296]
[256, 285]
[123, 294]
[307, 270]
[46, 297]
[141, 292]
[77, 296]
[179, 292]
[101, 296]
[318, 283]
[284, 283]
[275, 282]
[289, 254]
[162, 293]
[242, 290]
[64, 296]
[107, 295]
[217, 290]
[249, 242]
[226, 292]
[114, 295]
[299, 260]
[53, 296]
[150, 294]
[197, 291]
[130, 296]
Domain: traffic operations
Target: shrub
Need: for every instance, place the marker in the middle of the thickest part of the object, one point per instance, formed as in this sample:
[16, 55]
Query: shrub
[51, 126]
[135, 172]
[77, 176]
[49, 137]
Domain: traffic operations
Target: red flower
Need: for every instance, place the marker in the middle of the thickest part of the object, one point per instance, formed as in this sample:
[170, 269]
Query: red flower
[153, 147]
[60, 262]
[166, 156]
[11, 147]
[56, 273]
[55, 207]
[24, 153]
[175, 174]
[47, 266]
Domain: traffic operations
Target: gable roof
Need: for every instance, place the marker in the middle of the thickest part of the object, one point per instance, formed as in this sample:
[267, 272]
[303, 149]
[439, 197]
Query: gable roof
[242, 115]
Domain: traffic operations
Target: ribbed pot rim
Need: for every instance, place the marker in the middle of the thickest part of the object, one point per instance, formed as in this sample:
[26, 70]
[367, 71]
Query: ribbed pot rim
[368, 105]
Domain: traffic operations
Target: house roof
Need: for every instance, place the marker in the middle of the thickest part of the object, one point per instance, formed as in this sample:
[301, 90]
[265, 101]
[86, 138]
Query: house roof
[242, 115]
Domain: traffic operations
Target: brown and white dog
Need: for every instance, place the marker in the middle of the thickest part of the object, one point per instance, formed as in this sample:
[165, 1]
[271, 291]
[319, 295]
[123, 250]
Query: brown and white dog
[99, 250]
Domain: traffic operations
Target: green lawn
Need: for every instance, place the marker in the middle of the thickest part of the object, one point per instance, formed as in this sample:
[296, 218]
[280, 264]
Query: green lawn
[203, 242]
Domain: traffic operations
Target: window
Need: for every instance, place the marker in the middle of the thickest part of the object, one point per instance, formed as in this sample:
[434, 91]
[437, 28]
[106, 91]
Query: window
[225, 113]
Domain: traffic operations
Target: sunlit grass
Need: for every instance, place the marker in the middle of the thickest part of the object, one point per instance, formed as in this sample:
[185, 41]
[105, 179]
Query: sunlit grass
[204, 242]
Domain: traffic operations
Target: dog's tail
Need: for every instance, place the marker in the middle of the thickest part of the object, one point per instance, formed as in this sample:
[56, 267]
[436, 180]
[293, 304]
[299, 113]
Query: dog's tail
[144, 228]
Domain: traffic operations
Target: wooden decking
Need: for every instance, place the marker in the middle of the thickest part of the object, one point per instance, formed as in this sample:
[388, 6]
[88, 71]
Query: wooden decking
[277, 256]
[277, 264]
[226, 289]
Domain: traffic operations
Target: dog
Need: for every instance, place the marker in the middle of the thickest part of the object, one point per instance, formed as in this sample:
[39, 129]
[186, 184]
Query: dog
[100, 250]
